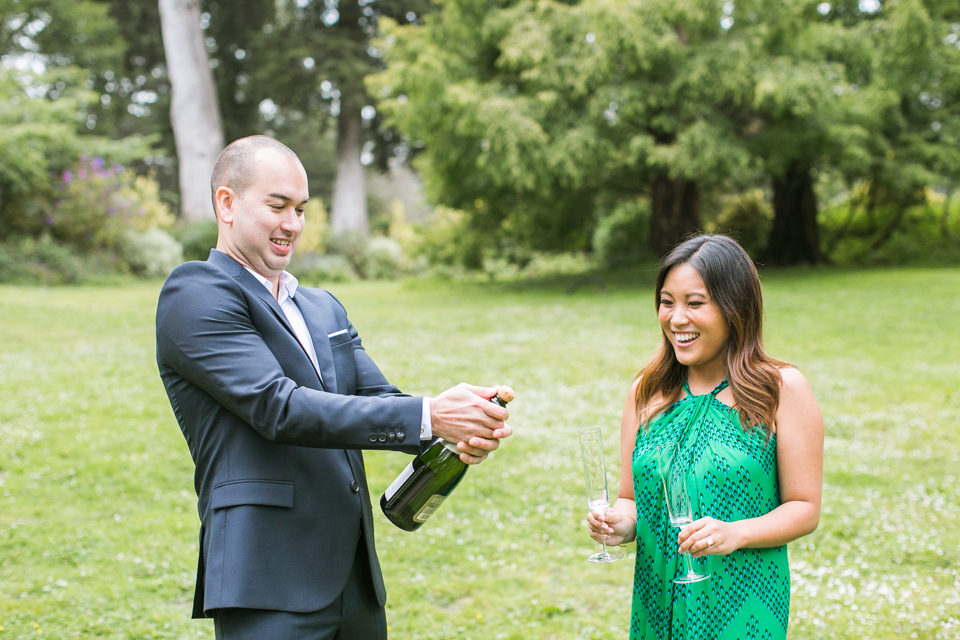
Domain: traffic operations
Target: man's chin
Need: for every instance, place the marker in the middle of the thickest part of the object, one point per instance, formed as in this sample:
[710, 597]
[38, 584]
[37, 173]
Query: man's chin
[279, 263]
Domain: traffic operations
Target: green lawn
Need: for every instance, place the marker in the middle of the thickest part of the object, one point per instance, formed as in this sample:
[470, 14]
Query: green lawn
[98, 525]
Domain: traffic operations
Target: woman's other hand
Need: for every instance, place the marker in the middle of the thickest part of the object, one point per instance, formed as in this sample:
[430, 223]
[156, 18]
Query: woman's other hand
[709, 536]
[611, 526]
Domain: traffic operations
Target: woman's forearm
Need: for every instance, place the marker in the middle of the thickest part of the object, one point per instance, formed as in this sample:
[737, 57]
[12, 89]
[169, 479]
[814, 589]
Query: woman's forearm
[786, 523]
[628, 509]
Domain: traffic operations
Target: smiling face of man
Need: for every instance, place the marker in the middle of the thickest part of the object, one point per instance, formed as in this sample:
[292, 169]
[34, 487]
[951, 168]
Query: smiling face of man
[260, 226]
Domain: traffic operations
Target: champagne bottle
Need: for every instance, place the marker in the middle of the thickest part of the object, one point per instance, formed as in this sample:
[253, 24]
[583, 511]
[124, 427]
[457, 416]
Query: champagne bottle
[427, 481]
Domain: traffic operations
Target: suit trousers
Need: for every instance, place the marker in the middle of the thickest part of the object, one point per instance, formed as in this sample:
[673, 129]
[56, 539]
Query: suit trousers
[354, 615]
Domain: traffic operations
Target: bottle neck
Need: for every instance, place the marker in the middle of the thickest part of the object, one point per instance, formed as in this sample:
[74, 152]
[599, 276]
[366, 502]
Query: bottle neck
[451, 447]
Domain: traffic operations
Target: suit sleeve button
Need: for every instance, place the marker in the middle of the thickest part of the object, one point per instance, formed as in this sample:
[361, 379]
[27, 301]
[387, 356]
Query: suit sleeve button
[391, 437]
[401, 436]
[382, 437]
[355, 487]
[373, 437]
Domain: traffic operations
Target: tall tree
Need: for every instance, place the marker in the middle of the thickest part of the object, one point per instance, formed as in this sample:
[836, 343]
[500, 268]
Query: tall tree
[538, 118]
[856, 88]
[535, 118]
[194, 112]
[349, 207]
[309, 59]
[135, 94]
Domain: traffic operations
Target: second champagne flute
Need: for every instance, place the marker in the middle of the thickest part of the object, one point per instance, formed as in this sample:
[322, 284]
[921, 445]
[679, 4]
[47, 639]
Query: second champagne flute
[678, 501]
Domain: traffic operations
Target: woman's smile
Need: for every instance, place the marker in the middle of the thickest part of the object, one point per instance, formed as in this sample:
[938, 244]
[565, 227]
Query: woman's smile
[692, 320]
[685, 339]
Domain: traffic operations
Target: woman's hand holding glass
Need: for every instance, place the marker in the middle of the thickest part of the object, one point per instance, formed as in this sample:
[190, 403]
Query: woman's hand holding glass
[709, 536]
[612, 526]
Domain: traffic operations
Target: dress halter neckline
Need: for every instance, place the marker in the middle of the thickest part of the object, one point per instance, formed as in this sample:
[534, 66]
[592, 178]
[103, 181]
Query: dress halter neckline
[720, 387]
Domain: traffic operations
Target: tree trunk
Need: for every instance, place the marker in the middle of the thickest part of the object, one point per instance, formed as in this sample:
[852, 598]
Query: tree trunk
[675, 212]
[194, 112]
[795, 237]
[349, 211]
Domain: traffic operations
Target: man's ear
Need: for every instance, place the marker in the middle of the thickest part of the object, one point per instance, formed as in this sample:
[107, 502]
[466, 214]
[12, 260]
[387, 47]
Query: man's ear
[224, 198]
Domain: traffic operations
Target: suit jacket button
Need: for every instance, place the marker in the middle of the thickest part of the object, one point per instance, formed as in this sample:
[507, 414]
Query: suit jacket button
[401, 436]
[355, 487]
[373, 437]
[391, 436]
[382, 437]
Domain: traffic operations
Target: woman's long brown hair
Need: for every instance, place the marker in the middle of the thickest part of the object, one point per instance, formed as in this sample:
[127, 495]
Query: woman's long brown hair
[732, 282]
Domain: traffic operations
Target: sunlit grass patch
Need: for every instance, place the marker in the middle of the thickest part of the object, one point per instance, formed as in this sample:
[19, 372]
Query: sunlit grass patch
[98, 525]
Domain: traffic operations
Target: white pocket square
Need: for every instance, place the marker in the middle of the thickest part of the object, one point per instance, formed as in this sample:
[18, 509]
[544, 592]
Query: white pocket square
[336, 333]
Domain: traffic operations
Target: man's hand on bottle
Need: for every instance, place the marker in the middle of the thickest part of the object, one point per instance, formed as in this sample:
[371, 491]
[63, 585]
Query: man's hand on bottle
[465, 415]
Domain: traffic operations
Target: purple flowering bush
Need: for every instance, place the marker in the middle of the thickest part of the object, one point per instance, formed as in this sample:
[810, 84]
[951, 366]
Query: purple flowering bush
[94, 219]
[96, 204]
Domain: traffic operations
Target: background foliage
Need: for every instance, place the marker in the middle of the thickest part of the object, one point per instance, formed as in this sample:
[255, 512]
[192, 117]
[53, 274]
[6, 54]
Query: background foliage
[537, 119]
[609, 128]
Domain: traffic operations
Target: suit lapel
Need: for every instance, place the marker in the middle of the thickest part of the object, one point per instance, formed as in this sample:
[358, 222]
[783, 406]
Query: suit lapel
[322, 346]
[319, 318]
[246, 279]
[321, 323]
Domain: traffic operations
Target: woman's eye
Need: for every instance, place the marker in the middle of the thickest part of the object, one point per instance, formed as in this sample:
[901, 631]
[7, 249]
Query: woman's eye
[300, 212]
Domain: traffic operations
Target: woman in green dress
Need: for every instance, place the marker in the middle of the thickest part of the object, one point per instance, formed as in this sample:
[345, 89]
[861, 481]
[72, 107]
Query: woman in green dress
[751, 438]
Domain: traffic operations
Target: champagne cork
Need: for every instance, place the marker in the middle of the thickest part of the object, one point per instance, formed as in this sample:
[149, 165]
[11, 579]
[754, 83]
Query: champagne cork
[505, 394]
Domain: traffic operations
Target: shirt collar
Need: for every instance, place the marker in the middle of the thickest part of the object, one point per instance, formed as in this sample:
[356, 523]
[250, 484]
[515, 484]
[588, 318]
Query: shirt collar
[288, 284]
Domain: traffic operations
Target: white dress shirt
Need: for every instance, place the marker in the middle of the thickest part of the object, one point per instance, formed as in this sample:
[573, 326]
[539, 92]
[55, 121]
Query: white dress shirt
[288, 289]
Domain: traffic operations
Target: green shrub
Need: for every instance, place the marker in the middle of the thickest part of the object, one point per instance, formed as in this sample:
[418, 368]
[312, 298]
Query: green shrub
[620, 236]
[315, 229]
[746, 217]
[556, 264]
[43, 261]
[40, 139]
[448, 240]
[352, 246]
[152, 253]
[924, 234]
[97, 204]
[378, 258]
[918, 239]
[383, 259]
[314, 270]
[198, 238]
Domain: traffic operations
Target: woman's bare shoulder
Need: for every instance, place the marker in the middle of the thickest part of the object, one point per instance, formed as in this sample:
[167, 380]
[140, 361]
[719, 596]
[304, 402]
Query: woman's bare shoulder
[793, 382]
[797, 402]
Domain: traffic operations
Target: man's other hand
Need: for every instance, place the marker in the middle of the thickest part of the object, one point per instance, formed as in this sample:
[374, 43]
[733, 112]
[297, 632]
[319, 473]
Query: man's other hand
[465, 415]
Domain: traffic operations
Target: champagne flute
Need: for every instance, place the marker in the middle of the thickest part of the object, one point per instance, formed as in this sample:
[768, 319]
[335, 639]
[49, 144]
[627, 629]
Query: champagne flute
[595, 479]
[678, 501]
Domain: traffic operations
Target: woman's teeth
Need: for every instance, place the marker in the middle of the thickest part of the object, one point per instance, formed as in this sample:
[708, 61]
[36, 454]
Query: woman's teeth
[686, 337]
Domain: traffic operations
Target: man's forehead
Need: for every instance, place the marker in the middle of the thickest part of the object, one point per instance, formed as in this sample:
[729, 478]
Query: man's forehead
[270, 167]
[268, 156]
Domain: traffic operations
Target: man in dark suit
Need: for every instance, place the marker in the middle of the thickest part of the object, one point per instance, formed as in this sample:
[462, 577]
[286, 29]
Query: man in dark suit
[276, 397]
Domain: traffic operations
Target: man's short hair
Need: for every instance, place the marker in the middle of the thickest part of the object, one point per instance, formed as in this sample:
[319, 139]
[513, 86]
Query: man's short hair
[235, 166]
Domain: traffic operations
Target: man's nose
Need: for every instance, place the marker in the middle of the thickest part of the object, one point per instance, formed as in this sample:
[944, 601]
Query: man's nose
[291, 221]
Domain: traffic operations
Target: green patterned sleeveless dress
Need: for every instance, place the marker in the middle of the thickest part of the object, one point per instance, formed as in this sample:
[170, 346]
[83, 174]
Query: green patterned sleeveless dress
[735, 475]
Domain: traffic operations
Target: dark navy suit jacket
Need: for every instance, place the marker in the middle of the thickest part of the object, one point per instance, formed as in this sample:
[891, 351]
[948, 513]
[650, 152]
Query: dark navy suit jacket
[279, 475]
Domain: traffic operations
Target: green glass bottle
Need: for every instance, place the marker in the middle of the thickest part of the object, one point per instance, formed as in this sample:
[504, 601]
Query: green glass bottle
[427, 481]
